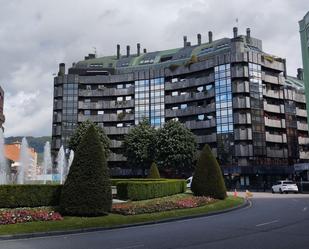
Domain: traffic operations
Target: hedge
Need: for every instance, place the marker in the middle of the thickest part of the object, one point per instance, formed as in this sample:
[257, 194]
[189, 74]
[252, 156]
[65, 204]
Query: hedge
[12, 196]
[115, 181]
[142, 190]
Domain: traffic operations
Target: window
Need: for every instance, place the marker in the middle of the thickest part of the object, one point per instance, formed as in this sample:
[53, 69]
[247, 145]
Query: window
[100, 112]
[119, 86]
[174, 80]
[175, 93]
[88, 87]
[119, 98]
[119, 125]
[87, 100]
[200, 89]
[183, 106]
[201, 117]
[87, 112]
[128, 97]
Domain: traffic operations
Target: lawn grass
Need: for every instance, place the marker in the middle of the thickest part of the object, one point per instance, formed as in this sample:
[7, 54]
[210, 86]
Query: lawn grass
[71, 223]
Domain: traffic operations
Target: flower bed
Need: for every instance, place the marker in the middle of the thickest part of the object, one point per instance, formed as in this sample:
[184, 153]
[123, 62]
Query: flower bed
[160, 204]
[13, 216]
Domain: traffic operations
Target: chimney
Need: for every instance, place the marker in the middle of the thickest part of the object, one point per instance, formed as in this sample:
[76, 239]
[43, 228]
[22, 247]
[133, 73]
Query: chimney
[184, 41]
[248, 33]
[210, 37]
[235, 29]
[145, 50]
[300, 73]
[61, 69]
[138, 49]
[128, 51]
[118, 51]
[199, 39]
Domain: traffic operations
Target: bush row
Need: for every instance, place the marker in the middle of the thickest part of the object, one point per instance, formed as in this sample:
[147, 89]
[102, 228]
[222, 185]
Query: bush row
[142, 190]
[115, 181]
[12, 196]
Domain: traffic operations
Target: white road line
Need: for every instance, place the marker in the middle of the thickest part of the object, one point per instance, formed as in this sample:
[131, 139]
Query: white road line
[305, 209]
[267, 223]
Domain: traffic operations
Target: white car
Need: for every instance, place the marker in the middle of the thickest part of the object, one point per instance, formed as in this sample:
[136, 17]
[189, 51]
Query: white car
[284, 187]
[189, 181]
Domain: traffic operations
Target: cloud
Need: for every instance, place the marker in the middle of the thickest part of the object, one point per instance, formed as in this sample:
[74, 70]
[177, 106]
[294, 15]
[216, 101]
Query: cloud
[35, 36]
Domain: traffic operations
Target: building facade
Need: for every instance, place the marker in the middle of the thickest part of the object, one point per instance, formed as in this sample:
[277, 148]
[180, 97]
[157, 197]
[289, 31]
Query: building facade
[228, 92]
[304, 38]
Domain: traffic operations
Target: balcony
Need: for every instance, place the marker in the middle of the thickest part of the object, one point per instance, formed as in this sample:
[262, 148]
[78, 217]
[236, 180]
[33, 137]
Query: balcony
[58, 105]
[186, 83]
[241, 87]
[270, 79]
[189, 111]
[192, 125]
[276, 152]
[273, 108]
[302, 126]
[106, 117]
[239, 72]
[242, 118]
[190, 97]
[57, 131]
[116, 157]
[106, 105]
[212, 138]
[243, 134]
[243, 150]
[241, 102]
[301, 112]
[277, 123]
[273, 64]
[303, 140]
[300, 97]
[274, 138]
[107, 92]
[304, 154]
[116, 144]
[273, 94]
[116, 130]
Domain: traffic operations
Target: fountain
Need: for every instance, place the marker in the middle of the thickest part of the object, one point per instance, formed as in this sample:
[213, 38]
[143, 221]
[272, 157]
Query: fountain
[4, 170]
[23, 168]
[47, 163]
[70, 161]
[61, 164]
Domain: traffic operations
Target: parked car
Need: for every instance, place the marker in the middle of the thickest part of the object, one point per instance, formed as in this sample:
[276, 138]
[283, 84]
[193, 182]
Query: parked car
[189, 181]
[284, 187]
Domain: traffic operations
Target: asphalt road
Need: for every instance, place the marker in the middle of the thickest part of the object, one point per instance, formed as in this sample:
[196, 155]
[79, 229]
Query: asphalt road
[273, 221]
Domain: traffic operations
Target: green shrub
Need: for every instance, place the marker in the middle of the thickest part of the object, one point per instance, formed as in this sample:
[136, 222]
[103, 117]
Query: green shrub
[87, 190]
[142, 190]
[115, 181]
[13, 196]
[154, 172]
[207, 179]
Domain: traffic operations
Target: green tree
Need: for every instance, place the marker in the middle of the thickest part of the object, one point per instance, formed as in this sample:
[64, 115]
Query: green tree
[139, 145]
[76, 138]
[87, 189]
[207, 179]
[175, 146]
[154, 172]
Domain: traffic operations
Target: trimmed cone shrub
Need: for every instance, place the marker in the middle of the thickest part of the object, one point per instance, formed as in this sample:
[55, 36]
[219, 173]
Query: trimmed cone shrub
[87, 190]
[207, 179]
[154, 172]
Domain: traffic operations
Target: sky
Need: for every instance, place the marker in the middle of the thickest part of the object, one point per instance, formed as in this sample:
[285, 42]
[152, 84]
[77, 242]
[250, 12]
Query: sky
[37, 35]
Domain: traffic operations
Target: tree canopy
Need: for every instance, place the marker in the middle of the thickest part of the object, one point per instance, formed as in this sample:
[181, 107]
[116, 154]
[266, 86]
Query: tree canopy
[81, 130]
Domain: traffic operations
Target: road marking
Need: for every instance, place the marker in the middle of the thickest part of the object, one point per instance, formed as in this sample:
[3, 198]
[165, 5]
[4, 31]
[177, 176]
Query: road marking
[305, 209]
[267, 223]
[130, 247]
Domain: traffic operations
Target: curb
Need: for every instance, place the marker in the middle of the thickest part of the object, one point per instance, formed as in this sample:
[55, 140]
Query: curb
[247, 203]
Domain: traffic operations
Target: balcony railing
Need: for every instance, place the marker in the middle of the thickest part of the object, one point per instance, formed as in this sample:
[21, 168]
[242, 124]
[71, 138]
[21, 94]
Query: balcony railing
[273, 108]
[277, 123]
[302, 126]
[303, 140]
[301, 112]
[304, 154]
[300, 97]
[190, 97]
[241, 103]
[116, 157]
[273, 94]
[200, 124]
[212, 138]
[243, 134]
[243, 150]
[106, 117]
[106, 104]
[274, 138]
[190, 82]
[117, 130]
[274, 152]
[191, 110]
[107, 92]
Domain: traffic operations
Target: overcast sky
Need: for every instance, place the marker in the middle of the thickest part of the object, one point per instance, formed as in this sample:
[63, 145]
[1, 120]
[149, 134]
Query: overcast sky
[36, 35]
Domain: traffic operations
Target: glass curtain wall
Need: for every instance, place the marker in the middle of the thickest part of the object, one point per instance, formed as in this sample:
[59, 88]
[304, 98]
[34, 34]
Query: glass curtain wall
[69, 111]
[149, 101]
[257, 112]
[224, 114]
